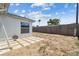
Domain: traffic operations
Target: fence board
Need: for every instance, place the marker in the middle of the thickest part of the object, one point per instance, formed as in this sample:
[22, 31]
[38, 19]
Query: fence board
[67, 29]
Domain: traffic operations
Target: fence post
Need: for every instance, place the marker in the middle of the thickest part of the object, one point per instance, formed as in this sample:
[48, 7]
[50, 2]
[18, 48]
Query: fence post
[77, 21]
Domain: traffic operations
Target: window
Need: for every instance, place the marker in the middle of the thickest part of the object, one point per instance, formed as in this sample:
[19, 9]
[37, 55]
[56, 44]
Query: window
[24, 27]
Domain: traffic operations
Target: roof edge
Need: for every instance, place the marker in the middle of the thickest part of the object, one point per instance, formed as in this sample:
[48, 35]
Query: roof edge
[19, 16]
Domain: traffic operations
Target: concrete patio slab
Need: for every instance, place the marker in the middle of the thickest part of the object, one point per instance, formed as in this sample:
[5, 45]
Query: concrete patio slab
[19, 43]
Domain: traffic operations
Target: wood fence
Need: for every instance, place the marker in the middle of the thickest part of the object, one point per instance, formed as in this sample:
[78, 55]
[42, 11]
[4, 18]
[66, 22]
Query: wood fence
[68, 29]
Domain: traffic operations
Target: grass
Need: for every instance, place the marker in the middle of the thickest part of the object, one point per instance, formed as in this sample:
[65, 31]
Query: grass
[77, 43]
[52, 45]
[42, 49]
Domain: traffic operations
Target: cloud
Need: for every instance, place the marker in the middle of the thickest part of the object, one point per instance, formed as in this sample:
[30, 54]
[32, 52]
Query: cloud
[17, 4]
[42, 4]
[47, 8]
[37, 4]
[60, 13]
[16, 11]
[22, 15]
[66, 5]
[72, 10]
[23, 11]
[75, 5]
[38, 15]
[56, 13]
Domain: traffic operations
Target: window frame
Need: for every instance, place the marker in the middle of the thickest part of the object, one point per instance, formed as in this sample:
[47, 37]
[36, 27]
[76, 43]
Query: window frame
[28, 28]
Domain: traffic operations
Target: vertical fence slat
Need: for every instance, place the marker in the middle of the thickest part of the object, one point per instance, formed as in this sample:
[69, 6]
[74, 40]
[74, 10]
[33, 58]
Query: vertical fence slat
[67, 29]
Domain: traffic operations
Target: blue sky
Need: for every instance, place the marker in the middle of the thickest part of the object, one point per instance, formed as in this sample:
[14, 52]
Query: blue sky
[45, 11]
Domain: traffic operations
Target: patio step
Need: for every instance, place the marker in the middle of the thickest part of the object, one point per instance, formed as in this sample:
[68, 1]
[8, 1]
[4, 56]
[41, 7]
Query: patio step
[15, 44]
[16, 47]
[24, 43]
[34, 38]
[4, 51]
[3, 44]
[18, 43]
[37, 38]
[4, 47]
[28, 40]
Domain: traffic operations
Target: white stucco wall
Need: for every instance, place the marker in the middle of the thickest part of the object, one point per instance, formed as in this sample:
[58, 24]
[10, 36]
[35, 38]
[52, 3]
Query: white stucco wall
[12, 26]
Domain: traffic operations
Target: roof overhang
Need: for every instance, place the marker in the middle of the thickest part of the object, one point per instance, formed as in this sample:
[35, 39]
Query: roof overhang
[18, 17]
[4, 9]
[4, 6]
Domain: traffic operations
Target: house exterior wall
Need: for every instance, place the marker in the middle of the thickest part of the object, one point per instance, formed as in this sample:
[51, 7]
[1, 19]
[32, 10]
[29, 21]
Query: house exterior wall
[12, 27]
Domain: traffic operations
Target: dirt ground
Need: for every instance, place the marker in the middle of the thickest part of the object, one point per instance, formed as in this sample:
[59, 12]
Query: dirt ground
[52, 45]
